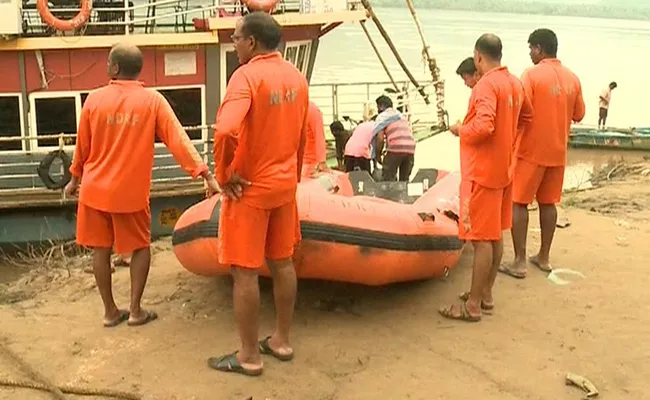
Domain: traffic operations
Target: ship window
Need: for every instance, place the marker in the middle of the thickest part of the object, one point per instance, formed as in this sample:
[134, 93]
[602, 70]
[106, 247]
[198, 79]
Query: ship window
[55, 116]
[83, 96]
[298, 55]
[290, 54]
[186, 104]
[10, 123]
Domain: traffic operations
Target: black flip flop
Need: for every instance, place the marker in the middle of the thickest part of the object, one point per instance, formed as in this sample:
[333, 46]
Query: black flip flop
[124, 316]
[265, 348]
[230, 363]
[150, 316]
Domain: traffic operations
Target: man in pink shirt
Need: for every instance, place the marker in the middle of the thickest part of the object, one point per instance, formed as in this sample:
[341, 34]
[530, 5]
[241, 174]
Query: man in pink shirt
[357, 149]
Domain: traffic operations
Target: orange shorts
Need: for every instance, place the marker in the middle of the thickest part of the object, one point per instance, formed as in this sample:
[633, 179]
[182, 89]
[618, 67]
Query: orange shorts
[484, 213]
[533, 181]
[248, 235]
[124, 232]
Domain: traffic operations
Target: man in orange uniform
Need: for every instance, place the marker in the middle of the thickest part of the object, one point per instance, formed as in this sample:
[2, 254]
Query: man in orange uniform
[113, 159]
[316, 148]
[556, 95]
[468, 73]
[497, 107]
[259, 141]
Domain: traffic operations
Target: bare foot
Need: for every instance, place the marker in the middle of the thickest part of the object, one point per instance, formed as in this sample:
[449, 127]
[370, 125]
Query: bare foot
[545, 266]
[142, 318]
[116, 318]
[517, 269]
[282, 352]
[460, 312]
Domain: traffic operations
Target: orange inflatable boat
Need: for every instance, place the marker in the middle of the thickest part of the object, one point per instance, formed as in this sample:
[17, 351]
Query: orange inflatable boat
[353, 229]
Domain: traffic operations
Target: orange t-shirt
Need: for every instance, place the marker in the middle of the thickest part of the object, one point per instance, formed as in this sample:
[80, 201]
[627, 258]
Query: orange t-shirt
[498, 108]
[315, 147]
[556, 95]
[114, 153]
[260, 131]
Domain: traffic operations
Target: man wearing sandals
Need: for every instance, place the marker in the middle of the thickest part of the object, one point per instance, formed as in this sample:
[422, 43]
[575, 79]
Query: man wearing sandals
[556, 95]
[259, 141]
[111, 169]
[496, 108]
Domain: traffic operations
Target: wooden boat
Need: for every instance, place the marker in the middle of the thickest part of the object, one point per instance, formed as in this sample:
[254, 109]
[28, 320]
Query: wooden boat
[353, 230]
[610, 138]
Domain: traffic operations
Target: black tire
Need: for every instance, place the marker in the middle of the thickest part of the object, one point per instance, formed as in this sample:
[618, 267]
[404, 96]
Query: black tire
[44, 167]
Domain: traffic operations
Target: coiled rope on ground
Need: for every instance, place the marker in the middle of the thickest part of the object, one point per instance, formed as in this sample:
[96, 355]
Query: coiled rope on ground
[42, 383]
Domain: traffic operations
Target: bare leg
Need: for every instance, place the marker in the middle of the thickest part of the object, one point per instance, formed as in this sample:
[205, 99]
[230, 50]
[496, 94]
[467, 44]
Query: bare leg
[139, 269]
[483, 259]
[497, 256]
[102, 271]
[246, 305]
[547, 222]
[471, 309]
[519, 232]
[284, 293]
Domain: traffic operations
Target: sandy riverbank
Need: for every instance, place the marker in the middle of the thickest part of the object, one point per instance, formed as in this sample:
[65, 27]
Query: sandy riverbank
[364, 343]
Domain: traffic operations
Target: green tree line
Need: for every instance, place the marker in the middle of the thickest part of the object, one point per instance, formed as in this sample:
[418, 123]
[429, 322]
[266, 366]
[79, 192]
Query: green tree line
[614, 9]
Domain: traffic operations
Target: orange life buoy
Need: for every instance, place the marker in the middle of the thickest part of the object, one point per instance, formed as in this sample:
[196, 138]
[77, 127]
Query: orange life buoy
[76, 22]
[261, 5]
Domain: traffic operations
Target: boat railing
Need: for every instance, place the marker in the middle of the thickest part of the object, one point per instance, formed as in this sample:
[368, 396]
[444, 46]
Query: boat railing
[119, 17]
[336, 101]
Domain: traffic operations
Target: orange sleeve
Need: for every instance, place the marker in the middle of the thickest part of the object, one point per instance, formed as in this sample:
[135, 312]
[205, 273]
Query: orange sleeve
[318, 128]
[527, 112]
[82, 147]
[171, 132]
[482, 125]
[579, 106]
[230, 118]
[303, 134]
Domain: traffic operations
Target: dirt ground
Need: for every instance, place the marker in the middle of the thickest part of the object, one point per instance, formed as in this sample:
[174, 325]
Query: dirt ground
[366, 343]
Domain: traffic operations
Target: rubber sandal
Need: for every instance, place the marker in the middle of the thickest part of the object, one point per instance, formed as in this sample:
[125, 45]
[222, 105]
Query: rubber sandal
[509, 272]
[124, 316]
[487, 307]
[464, 314]
[230, 363]
[266, 349]
[150, 316]
[533, 260]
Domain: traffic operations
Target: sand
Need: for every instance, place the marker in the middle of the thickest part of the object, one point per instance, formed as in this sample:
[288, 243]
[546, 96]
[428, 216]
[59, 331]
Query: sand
[366, 343]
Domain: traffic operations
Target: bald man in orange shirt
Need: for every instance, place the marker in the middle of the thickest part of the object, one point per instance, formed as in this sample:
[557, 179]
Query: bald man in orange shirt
[112, 162]
[259, 142]
[556, 96]
[498, 108]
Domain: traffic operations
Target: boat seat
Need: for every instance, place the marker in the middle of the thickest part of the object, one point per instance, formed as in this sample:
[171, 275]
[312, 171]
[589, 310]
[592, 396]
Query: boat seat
[364, 185]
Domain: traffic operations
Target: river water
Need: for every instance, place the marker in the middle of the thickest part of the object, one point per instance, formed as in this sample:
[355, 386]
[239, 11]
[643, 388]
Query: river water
[597, 50]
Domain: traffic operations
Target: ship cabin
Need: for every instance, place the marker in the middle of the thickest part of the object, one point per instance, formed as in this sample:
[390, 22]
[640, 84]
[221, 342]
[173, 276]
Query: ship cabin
[52, 54]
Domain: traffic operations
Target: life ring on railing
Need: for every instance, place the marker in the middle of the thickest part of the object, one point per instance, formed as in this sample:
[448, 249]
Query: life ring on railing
[76, 22]
[261, 5]
[44, 167]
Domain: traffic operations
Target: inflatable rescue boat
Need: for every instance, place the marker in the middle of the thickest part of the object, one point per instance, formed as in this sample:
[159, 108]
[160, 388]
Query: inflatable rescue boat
[353, 229]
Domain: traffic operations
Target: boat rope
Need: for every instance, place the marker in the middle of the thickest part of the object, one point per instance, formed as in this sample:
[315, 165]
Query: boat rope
[70, 389]
[439, 84]
[42, 383]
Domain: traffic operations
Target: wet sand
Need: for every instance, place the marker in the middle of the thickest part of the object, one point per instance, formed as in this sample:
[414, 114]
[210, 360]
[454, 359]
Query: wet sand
[357, 343]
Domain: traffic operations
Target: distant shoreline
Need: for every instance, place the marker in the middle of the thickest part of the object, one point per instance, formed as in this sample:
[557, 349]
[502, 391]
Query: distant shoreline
[533, 8]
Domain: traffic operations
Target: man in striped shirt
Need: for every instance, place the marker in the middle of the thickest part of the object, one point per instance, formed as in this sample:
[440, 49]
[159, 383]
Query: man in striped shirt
[394, 130]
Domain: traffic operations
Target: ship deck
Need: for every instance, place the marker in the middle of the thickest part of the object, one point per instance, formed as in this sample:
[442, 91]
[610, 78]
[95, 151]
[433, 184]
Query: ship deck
[41, 197]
